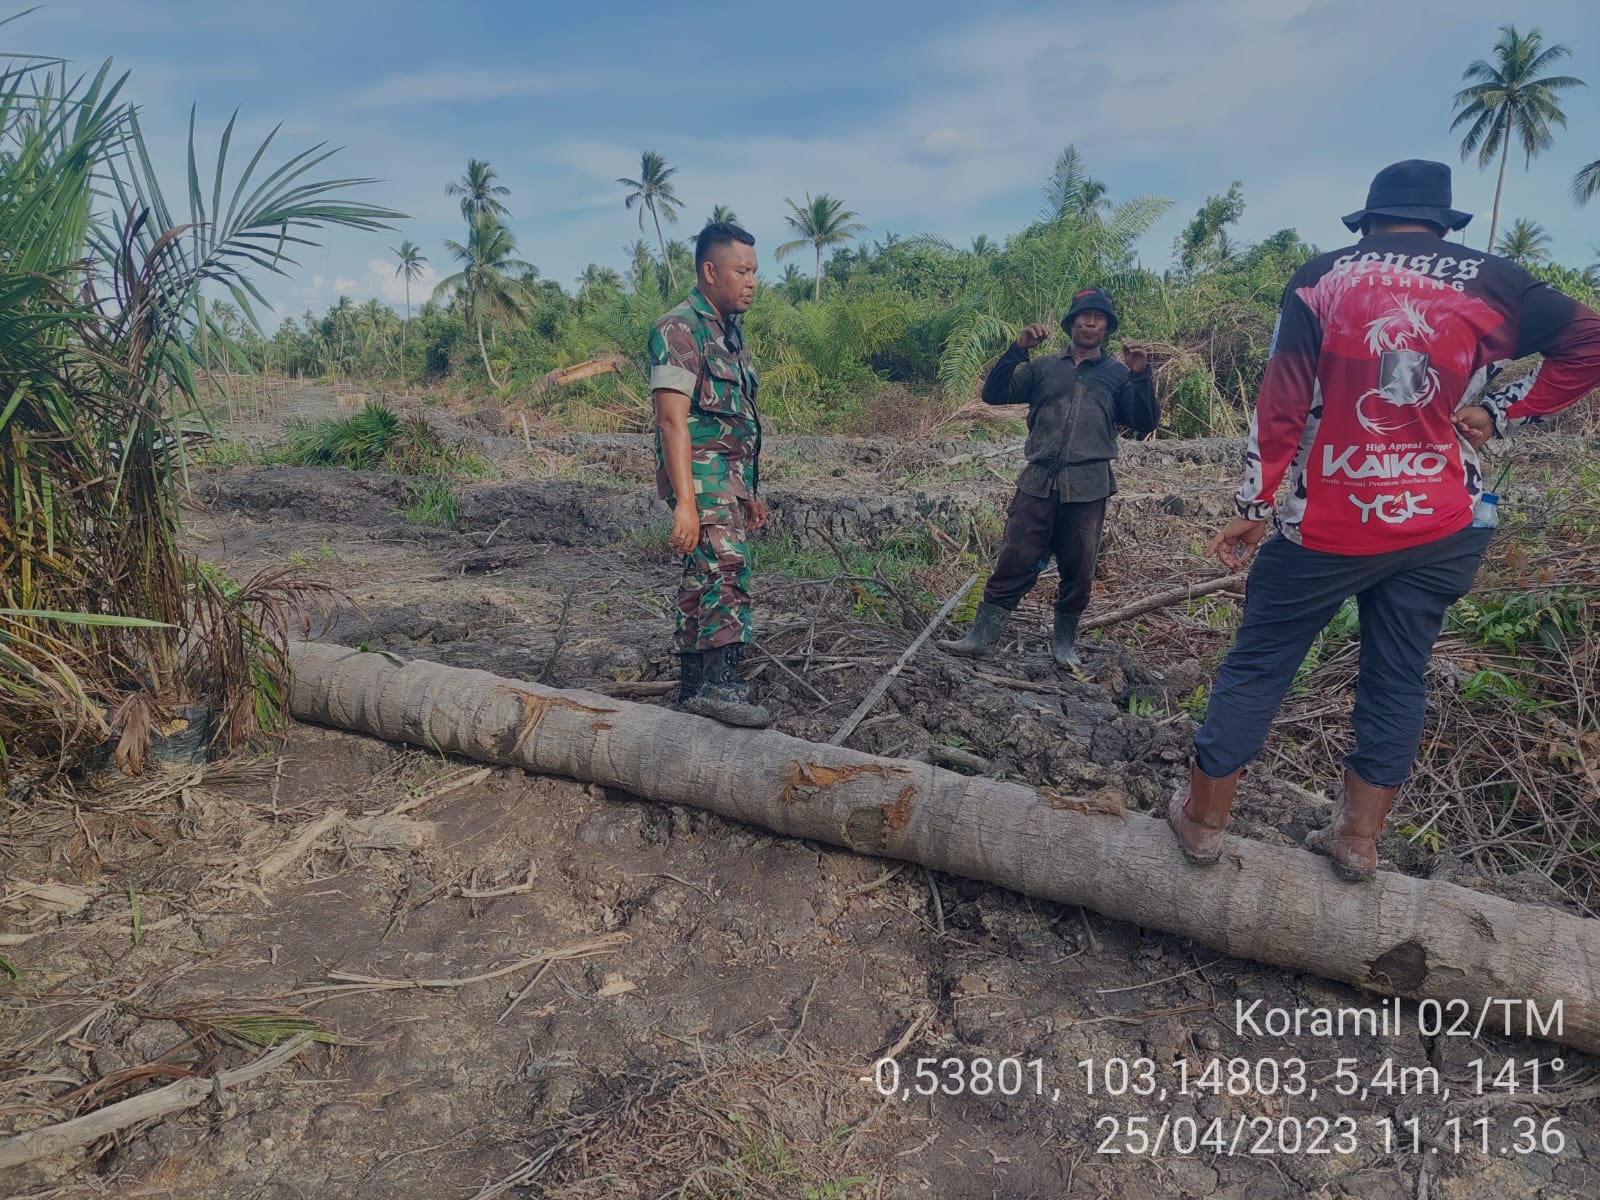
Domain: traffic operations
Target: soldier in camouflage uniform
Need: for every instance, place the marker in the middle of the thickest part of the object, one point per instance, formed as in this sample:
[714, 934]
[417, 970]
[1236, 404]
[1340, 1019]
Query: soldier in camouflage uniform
[708, 447]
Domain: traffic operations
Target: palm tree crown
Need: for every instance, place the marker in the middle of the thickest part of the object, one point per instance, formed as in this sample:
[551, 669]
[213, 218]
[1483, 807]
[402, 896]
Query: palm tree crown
[598, 281]
[722, 213]
[1525, 243]
[822, 221]
[653, 191]
[1070, 192]
[1511, 99]
[1586, 183]
[485, 282]
[412, 260]
[478, 191]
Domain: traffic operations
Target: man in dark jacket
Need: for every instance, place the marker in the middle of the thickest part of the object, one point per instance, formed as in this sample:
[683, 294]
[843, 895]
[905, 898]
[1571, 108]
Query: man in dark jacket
[1373, 404]
[1075, 403]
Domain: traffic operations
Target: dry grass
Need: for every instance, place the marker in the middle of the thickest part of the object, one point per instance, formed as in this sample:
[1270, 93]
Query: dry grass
[1508, 778]
[738, 1125]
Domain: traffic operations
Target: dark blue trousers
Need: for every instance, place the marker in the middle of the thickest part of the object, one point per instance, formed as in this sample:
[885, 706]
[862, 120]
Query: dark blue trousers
[1292, 593]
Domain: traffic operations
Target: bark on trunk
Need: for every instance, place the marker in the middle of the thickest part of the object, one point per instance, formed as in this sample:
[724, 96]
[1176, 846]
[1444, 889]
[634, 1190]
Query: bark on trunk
[1499, 186]
[488, 370]
[1399, 936]
[666, 259]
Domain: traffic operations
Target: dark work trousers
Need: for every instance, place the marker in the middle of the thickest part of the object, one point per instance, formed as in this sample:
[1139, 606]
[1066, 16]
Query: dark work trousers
[1036, 528]
[1292, 593]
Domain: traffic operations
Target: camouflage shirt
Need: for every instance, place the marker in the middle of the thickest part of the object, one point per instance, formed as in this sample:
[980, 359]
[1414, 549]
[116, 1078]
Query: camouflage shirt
[696, 351]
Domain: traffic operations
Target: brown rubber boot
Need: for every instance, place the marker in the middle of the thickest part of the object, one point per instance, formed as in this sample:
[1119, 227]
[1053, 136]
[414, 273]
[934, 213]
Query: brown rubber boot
[1351, 838]
[1198, 814]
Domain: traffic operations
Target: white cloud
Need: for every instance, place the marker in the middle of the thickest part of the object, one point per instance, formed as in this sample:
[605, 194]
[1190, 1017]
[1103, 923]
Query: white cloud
[950, 143]
[464, 85]
[1178, 100]
[389, 287]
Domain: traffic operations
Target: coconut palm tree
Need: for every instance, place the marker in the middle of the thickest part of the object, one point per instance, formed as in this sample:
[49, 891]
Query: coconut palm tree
[1586, 183]
[597, 281]
[644, 269]
[1092, 200]
[478, 191]
[412, 260]
[373, 321]
[341, 322]
[680, 257]
[1511, 99]
[223, 320]
[794, 285]
[1525, 243]
[485, 283]
[722, 213]
[1070, 192]
[822, 222]
[653, 191]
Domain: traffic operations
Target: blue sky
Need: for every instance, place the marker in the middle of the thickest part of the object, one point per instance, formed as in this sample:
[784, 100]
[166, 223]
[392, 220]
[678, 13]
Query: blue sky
[928, 117]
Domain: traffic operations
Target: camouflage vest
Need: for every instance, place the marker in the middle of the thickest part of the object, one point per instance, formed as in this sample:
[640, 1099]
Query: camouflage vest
[692, 351]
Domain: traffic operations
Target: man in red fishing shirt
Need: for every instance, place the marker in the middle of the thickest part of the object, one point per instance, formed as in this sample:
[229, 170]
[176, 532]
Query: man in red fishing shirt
[1374, 403]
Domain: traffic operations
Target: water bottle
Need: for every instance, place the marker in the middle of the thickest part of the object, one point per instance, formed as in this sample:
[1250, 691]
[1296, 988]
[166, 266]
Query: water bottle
[1486, 512]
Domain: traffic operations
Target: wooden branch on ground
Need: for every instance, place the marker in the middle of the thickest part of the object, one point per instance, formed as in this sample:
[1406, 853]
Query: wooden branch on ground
[995, 452]
[950, 756]
[80, 1131]
[548, 671]
[1398, 935]
[1020, 685]
[1165, 600]
[882, 685]
[637, 689]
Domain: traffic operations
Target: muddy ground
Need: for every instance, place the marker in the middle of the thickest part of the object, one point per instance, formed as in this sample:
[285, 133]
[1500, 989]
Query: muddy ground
[624, 999]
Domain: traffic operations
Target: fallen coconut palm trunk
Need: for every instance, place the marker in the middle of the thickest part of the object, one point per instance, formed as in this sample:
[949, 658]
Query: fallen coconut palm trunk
[1400, 936]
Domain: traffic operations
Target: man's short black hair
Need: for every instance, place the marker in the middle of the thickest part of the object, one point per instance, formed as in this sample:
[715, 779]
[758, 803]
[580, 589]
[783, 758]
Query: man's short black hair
[1377, 223]
[718, 233]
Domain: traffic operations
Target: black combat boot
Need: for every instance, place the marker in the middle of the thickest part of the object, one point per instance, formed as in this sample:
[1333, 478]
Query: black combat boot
[722, 697]
[987, 626]
[1066, 633]
[689, 678]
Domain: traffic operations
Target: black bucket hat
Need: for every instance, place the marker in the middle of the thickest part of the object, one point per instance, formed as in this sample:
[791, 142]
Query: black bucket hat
[1415, 189]
[1097, 299]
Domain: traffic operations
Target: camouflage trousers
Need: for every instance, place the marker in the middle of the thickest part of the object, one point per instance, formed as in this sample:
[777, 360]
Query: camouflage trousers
[714, 595]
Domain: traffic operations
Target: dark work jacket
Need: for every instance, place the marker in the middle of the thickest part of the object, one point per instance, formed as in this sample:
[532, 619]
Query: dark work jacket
[1073, 414]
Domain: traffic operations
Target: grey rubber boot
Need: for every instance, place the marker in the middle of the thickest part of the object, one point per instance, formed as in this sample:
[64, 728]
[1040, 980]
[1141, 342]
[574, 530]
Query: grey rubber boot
[722, 697]
[987, 626]
[689, 678]
[1066, 633]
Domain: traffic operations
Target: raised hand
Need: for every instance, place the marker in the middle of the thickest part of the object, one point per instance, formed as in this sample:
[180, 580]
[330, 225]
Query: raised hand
[1032, 335]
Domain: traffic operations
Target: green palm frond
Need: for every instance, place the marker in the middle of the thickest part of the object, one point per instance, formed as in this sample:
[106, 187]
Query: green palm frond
[1586, 183]
[100, 308]
[975, 339]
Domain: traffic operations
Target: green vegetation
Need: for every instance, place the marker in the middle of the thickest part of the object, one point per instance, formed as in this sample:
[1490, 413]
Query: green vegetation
[105, 622]
[894, 336]
[434, 503]
[376, 438]
[883, 337]
[883, 580]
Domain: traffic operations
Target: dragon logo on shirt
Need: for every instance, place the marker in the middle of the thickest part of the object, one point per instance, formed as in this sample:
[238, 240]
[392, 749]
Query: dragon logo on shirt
[1406, 381]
